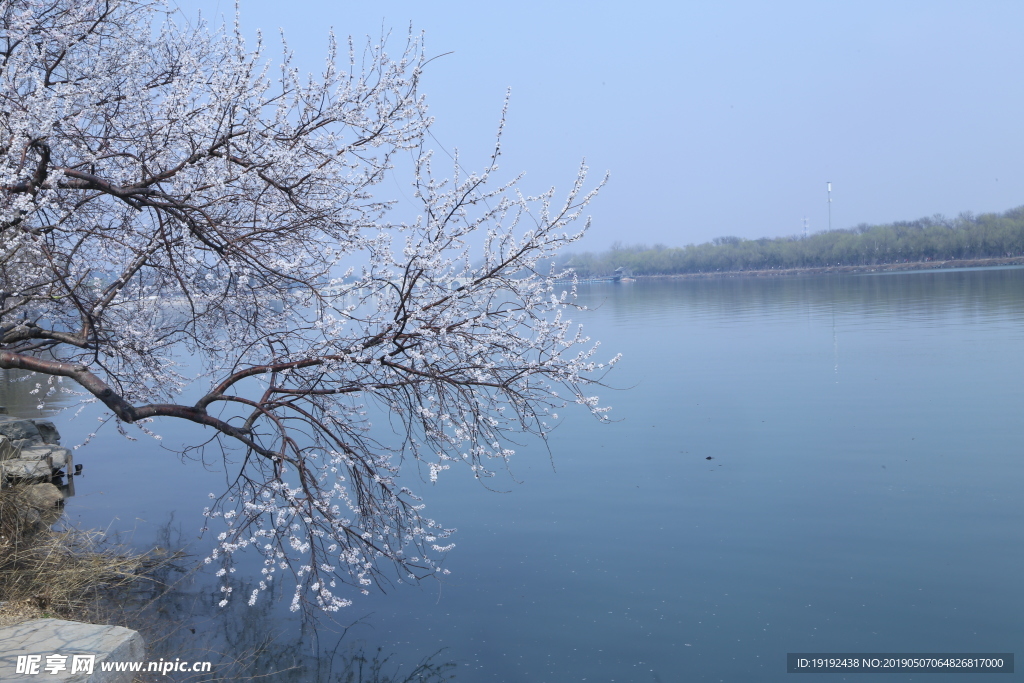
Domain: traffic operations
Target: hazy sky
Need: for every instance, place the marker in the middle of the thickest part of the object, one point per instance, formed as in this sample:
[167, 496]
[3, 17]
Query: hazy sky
[715, 118]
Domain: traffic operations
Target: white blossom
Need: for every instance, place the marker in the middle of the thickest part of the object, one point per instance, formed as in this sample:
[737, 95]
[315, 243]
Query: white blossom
[167, 192]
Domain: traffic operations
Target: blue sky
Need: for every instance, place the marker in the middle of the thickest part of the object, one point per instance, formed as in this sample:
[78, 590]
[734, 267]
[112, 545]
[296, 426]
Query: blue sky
[715, 118]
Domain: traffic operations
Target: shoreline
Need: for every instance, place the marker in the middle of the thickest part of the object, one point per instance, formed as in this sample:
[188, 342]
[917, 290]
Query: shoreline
[844, 270]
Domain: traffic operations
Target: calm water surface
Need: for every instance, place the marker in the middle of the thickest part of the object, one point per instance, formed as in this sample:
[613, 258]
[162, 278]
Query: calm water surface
[863, 493]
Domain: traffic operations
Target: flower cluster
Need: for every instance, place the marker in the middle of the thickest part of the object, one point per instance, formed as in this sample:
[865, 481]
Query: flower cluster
[166, 191]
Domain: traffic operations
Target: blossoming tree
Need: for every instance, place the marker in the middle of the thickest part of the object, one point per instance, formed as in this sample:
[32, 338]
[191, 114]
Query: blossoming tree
[165, 193]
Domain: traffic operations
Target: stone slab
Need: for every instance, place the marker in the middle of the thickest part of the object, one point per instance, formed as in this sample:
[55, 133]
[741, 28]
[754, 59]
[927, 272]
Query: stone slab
[26, 469]
[34, 452]
[58, 456]
[56, 637]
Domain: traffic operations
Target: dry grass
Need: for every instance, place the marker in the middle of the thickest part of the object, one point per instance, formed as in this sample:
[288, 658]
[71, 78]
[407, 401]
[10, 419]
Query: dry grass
[51, 573]
[76, 575]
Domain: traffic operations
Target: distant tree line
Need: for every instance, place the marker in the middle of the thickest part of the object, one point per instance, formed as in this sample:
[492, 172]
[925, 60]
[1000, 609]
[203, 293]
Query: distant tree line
[989, 235]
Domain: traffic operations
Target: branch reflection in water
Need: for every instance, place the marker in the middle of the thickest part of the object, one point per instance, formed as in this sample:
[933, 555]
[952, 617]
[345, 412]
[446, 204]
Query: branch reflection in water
[177, 614]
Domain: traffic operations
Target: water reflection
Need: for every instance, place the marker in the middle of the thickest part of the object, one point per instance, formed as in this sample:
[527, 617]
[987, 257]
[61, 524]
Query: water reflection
[927, 296]
[29, 395]
[177, 613]
[860, 427]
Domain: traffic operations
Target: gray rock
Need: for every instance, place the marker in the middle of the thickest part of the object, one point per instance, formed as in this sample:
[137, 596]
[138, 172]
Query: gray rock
[26, 469]
[39, 510]
[43, 496]
[66, 638]
[15, 429]
[58, 457]
[48, 431]
[35, 452]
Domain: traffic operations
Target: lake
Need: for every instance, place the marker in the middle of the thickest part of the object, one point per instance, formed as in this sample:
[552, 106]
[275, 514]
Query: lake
[819, 464]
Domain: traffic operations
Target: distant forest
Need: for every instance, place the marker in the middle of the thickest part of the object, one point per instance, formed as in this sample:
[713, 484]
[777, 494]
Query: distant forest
[989, 235]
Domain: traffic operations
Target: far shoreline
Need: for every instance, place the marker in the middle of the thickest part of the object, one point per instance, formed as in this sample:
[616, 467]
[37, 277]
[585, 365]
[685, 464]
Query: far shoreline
[845, 270]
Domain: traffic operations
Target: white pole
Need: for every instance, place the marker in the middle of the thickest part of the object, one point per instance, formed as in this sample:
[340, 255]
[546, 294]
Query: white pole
[829, 206]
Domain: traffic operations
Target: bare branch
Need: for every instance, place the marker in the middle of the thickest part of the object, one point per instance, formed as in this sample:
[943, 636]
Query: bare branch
[162, 198]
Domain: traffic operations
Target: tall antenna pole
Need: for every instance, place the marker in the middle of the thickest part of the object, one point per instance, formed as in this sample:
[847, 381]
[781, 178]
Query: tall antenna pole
[805, 227]
[830, 206]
